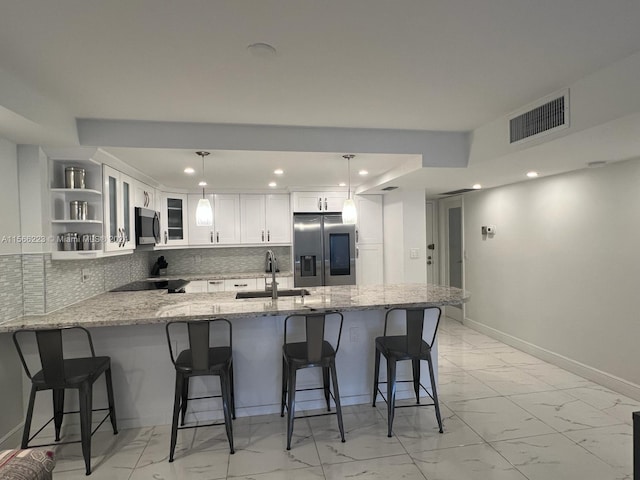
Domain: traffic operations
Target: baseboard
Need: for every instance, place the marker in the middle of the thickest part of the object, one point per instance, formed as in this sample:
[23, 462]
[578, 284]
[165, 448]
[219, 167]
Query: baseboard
[617, 384]
[12, 438]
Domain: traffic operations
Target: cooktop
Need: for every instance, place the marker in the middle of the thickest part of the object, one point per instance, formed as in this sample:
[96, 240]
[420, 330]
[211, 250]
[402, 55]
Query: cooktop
[172, 286]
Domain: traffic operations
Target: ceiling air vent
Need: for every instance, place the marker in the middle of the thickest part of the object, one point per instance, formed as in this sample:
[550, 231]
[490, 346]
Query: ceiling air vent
[388, 189]
[458, 192]
[540, 118]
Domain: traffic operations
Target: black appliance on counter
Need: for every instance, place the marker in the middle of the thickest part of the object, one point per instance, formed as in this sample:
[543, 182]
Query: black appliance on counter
[147, 226]
[172, 286]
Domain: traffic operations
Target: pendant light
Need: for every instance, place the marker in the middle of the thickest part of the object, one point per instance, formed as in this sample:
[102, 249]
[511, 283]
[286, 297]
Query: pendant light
[204, 212]
[349, 213]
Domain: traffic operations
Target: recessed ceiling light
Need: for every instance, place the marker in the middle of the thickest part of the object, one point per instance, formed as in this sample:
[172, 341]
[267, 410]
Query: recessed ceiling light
[532, 174]
[273, 184]
[477, 186]
[202, 184]
[363, 173]
[342, 184]
[278, 171]
[261, 50]
[189, 171]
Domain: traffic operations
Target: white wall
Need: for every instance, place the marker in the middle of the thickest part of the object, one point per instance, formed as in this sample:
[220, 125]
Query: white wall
[562, 271]
[404, 229]
[10, 369]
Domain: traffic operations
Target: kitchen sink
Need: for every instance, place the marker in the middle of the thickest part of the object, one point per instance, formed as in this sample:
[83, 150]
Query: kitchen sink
[296, 292]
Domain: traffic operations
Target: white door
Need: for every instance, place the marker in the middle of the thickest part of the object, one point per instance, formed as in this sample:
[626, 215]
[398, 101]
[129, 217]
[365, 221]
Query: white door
[433, 271]
[452, 251]
[278, 219]
[128, 217]
[333, 201]
[226, 218]
[173, 219]
[369, 265]
[307, 202]
[252, 208]
[369, 228]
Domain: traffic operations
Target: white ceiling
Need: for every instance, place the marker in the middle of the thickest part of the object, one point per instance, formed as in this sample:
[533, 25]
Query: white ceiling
[450, 65]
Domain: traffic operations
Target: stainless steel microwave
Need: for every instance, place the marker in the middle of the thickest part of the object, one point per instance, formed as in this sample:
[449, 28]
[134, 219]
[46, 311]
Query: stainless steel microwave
[147, 226]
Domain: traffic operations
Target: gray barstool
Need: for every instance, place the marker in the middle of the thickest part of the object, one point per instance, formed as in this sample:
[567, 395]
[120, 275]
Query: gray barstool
[315, 351]
[59, 374]
[412, 347]
[202, 359]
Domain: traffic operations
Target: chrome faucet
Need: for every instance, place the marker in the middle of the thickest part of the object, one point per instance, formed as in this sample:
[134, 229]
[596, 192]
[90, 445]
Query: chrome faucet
[271, 260]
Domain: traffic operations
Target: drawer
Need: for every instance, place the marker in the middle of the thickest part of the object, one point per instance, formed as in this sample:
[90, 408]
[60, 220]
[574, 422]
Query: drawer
[215, 286]
[239, 285]
[199, 286]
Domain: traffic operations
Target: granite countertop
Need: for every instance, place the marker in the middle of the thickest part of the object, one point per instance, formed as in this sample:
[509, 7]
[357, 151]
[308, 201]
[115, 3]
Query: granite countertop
[193, 277]
[157, 306]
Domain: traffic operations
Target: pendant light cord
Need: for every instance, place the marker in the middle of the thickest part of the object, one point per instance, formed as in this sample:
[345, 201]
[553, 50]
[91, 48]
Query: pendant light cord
[349, 157]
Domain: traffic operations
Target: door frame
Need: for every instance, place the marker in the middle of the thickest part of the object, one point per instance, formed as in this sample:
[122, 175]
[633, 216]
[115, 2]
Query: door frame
[457, 313]
[433, 236]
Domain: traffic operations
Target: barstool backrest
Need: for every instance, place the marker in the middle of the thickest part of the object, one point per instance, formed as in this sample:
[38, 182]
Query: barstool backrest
[314, 332]
[199, 336]
[414, 327]
[50, 349]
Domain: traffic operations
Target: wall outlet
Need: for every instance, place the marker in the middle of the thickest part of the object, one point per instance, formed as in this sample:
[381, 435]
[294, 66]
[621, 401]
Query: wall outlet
[414, 253]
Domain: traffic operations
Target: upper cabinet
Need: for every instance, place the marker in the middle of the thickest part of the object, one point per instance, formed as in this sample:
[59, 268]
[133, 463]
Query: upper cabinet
[369, 228]
[173, 220]
[312, 202]
[265, 219]
[144, 196]
[76, 215]
[226, 220]
[119, 222]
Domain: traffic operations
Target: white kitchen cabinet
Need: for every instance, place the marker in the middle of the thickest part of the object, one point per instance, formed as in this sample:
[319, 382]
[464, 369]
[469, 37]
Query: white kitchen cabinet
[265, 219]
[369, 264]
[196, 286]
[370, 226]
[173, 220]
[226, 220]
[215, 286]
[312, 202]
[119, 222]
[144, 196]
[239, 284]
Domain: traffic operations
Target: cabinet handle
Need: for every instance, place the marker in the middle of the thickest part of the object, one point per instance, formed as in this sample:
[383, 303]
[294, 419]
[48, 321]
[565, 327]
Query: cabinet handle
[326, 207]
[240, 284]
[319, 203]
[166, 237]
[268, 235]
[215, 283]
[357, 236]
[211, 237]
[217, 237]
[357, 252]
[146, 199]
[263, 235]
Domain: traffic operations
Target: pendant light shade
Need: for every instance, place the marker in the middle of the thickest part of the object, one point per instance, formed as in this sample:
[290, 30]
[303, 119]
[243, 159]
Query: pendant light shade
[349, 212]
[204, 212]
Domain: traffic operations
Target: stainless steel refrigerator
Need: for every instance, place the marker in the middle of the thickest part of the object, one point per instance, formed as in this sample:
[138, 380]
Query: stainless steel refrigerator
[324, 250]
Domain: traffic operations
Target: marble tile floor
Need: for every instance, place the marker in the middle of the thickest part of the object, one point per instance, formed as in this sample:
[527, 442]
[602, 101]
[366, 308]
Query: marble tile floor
[507, 416]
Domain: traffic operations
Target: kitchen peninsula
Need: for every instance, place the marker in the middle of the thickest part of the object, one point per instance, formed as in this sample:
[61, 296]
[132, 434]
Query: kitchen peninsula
[132, 333]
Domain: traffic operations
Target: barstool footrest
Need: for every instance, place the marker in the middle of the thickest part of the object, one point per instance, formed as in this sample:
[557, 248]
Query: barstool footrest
[184, 427]
[69, 442]
[417, 404]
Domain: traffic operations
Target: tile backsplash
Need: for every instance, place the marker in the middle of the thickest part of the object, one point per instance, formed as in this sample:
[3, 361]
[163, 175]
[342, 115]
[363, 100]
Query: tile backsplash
[221, 260]
[11, 298]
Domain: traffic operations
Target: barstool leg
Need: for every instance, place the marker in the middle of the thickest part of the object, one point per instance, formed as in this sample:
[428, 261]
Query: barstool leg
[376, 375]
[29, 417]
[233, 394]
[327, 394]
[86, 404]
[58, 410]
[291, 407]
[176, 412]
[391, 392]
[112, 405]
[226, 399]
[434, 391]
[336, 394]
[284, 386]
[415, 364]
[185, 398]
